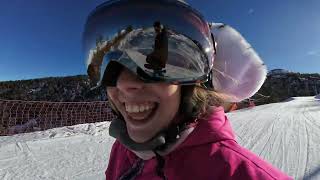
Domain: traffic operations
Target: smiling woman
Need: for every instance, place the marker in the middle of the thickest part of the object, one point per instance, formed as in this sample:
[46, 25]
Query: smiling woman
[146, 108]
[166, 71]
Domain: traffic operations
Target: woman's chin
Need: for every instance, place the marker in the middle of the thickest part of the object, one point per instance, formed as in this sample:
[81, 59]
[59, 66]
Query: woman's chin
[139, 137]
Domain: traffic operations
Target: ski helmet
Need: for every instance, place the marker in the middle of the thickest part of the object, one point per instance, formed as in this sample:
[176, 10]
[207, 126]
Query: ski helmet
[159, 41]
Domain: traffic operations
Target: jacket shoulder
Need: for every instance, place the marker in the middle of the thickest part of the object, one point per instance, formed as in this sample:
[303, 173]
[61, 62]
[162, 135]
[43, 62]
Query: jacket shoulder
[220, 160]
[118, 161]
[244, 164]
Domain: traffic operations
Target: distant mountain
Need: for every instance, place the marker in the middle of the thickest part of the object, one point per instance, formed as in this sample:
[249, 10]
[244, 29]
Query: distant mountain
[282, 84]
[279, 86]
[55, 89]
[278, 71]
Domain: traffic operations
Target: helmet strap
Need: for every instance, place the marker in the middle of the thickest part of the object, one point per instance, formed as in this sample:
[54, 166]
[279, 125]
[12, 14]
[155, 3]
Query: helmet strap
[209, 84]
[118, 130]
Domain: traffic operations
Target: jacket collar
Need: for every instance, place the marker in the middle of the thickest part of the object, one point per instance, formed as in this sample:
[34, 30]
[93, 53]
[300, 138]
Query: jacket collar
[213, 128]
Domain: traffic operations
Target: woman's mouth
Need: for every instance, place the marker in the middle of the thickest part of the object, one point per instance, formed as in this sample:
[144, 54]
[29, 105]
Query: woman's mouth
[139, 114]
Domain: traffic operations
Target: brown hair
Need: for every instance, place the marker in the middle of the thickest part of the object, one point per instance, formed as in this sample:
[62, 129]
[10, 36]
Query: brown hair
[196, 101]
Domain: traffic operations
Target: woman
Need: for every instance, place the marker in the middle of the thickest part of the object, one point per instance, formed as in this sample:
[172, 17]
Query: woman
[171, 124]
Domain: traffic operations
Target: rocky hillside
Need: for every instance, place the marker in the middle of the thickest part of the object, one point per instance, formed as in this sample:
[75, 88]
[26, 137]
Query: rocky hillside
[279, 85]
[54, 89]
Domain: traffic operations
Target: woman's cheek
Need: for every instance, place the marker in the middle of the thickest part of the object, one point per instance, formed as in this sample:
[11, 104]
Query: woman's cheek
[112, 95]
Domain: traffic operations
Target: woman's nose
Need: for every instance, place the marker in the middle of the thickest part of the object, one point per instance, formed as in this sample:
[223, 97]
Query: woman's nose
[128, 82]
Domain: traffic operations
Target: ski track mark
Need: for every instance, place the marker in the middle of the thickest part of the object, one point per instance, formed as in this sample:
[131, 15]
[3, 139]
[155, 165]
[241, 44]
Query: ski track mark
[287, 134]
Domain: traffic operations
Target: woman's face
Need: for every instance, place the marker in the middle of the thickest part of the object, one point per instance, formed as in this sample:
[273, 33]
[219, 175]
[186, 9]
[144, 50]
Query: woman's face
[147, 108]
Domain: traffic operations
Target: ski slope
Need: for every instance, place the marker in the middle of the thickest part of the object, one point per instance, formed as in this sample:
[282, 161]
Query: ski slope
[78, 152]
[286, 134]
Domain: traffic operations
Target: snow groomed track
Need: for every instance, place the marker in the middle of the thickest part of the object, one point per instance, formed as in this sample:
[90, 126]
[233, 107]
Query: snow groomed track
[286, 134]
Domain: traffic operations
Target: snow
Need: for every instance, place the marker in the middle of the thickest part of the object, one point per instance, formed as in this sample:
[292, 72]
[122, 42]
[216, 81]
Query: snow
[79, 152]
[286, 134]
[278, 71]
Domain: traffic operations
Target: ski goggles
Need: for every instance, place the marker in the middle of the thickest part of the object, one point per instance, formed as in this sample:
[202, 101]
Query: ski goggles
[159, 41]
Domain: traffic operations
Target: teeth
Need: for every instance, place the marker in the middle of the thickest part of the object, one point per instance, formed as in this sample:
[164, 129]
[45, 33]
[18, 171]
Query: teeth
[139, 108]
[135, 109]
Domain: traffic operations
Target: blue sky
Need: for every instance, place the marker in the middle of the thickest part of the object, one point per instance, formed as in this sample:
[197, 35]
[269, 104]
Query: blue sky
[41, 38]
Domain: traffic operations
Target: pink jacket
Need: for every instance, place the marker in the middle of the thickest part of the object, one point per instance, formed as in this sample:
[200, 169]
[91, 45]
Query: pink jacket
[209, 152]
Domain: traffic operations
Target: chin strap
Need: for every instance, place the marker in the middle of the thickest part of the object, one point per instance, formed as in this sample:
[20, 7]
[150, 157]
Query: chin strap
[160, 142]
